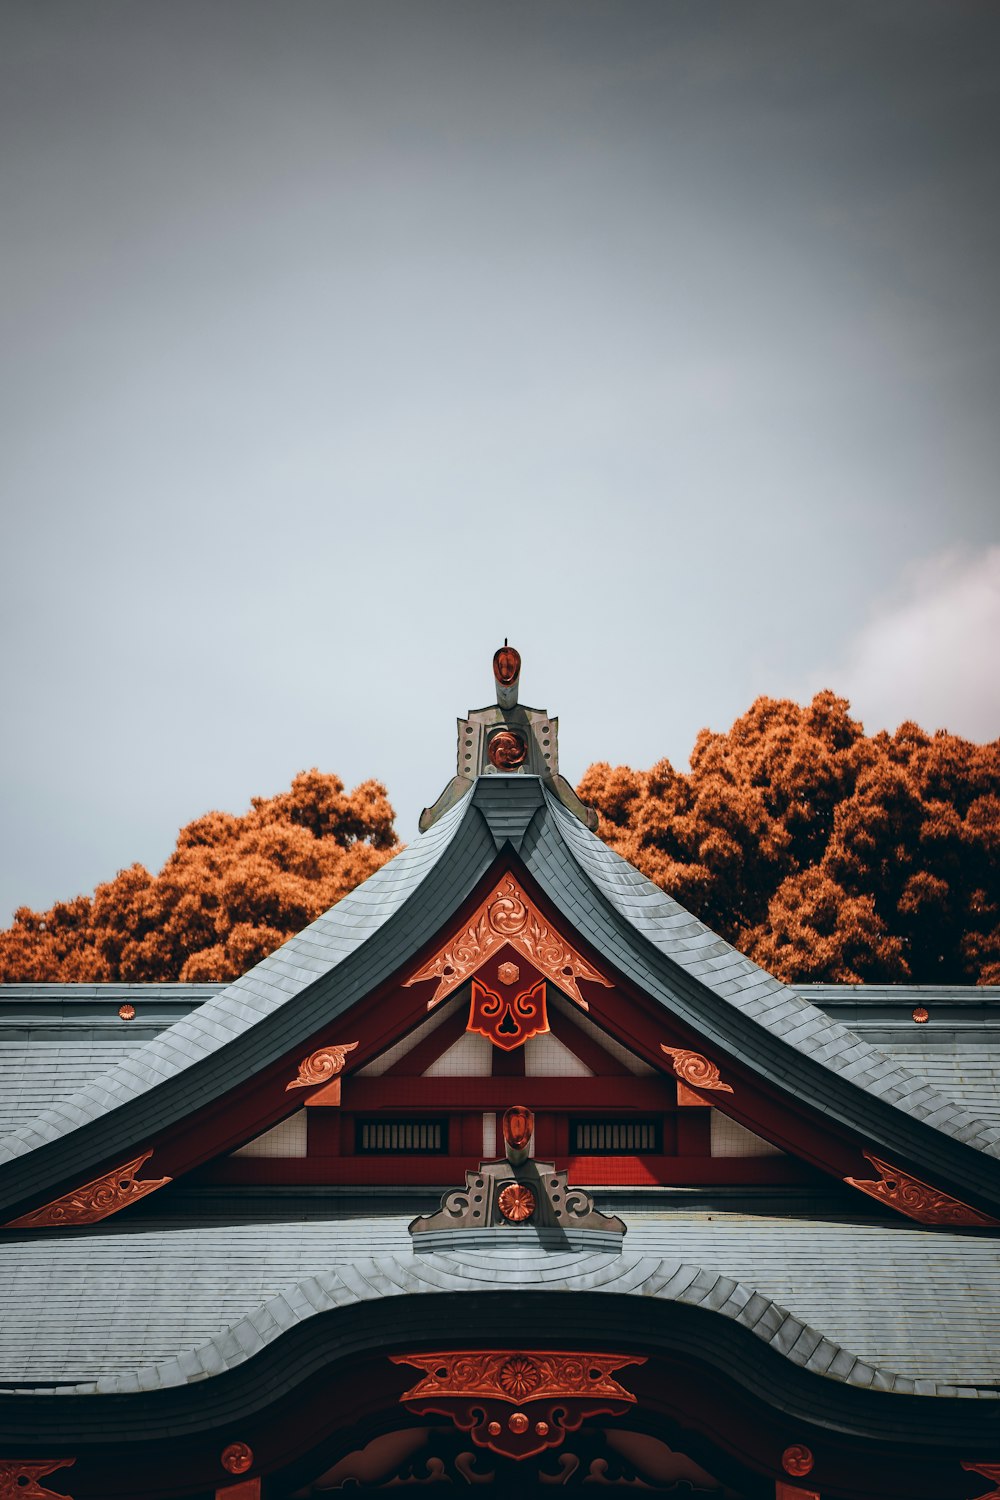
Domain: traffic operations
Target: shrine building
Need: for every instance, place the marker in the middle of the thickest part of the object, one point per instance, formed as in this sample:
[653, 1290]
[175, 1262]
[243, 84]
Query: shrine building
[505, 1176]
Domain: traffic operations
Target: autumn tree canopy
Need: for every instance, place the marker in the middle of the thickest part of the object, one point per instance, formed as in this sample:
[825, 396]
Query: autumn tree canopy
[823, 853]
[231, 892]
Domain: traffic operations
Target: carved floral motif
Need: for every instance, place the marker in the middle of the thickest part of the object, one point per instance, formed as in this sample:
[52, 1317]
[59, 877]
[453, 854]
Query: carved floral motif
[508, 973]
[508, 1022]
[20, 1476]
[694, 1069]
[321, 1066]
[990, 1472]
[95, 1200]
[552, 1393]
[918, 1200]
[507, 916]
[488, 1372]
[516, 1202]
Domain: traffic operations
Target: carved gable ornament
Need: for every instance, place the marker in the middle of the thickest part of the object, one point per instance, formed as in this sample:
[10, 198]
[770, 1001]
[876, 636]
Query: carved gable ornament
[518, 1402]
[507, 916]
[517, 1194]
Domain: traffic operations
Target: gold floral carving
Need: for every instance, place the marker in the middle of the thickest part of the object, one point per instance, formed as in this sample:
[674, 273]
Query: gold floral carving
[20, 1476]
[990, 1472]
[918, 1200]
[95, 1200]
[514, 1376]
[321, 1066]
[694, 1069]
[508, 916]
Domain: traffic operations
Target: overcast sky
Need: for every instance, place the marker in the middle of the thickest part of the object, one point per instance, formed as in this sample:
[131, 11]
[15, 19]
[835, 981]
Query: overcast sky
[341, 340]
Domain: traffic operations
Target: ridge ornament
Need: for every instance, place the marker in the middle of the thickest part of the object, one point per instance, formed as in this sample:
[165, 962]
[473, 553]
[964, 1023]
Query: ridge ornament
[507, 916]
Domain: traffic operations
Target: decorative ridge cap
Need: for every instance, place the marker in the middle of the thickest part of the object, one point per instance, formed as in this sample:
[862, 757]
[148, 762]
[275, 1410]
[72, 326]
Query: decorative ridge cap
[394, 1275]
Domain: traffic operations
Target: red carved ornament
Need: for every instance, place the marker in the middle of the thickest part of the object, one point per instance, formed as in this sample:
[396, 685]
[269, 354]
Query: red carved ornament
[918, 1200]
[507, 750]
[20, 1476]
[990, 1472]
[797, 1460]
[322, 1065]
[95, 1200]
[508, 1021]
[553, 1392]
[516, 1202]
[237, 1458]
[507, 916]
[694, 1069]
[506, 664]
[792, 1492]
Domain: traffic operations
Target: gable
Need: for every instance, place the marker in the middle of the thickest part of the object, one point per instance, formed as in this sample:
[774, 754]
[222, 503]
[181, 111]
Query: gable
[698, 1029]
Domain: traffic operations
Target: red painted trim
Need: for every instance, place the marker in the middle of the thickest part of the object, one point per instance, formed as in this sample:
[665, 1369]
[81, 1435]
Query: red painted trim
[369, 1095]
[419, 1059]
[443, 1172]
[590, 1053]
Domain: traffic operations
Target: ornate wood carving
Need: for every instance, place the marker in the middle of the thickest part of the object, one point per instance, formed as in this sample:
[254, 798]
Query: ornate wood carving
[990, 1472]
[478, 1205]
[693, 1069]
[19, 1477]
[95, 1200]
[508, 1022]
[553, 1393]
[507, 916]
[918, 1200]
[321, 1066]
[508, 973]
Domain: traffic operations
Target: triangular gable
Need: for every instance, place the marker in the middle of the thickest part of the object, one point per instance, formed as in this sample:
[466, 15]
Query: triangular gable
[656, 981]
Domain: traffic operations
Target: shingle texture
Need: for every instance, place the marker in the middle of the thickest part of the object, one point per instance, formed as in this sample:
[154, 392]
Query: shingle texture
[744, 987]
[315, 951]
[911, 1304]
[669, 953]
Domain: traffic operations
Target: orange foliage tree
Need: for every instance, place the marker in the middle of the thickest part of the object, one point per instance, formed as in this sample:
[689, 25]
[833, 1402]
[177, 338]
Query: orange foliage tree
[232, 891]
[823, 853]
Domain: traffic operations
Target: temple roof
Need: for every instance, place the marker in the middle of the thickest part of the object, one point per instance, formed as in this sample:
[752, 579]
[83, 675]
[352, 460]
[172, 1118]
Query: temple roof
[696, 976]
[887, 1306]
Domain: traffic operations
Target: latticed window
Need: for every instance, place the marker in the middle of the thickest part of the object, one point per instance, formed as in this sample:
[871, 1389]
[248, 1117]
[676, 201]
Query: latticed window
[397, 1137]
[614, 1137]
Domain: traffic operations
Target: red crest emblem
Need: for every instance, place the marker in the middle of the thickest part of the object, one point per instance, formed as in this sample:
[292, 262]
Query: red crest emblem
[508, 1020]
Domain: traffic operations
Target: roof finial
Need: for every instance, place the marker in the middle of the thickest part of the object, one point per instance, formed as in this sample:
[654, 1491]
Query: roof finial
[506, 671]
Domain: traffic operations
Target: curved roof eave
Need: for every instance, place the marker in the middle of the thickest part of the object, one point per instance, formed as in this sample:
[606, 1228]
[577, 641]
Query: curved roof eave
[747, 1014]
[741, 1011]
[388, 1276]
[324, 969]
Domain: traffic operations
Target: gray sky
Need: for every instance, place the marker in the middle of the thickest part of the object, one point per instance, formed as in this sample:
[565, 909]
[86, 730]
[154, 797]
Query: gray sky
[341, 340]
